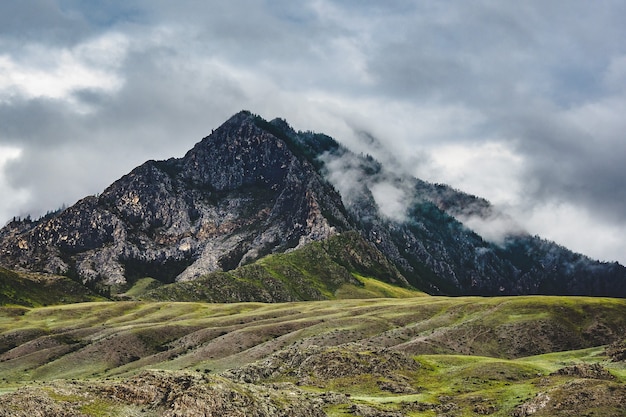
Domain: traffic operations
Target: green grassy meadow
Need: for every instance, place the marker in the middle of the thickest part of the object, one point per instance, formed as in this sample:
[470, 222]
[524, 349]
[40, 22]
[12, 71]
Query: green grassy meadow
[468, 355]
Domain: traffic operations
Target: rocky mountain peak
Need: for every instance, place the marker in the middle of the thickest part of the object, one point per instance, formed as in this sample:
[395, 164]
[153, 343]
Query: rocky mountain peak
[239, 194]
[238, 154]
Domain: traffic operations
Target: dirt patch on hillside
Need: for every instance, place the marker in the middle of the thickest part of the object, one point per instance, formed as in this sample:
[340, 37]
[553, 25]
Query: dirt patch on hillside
[163, 394]
[581, 397]
[537, 337]
[35, 402]
[617, 351]
[321, 366]
[510, 340]
[589, 371]
[10, 340]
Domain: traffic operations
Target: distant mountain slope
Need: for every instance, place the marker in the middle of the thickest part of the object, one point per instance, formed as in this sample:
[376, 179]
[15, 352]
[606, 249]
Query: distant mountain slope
[254, 188]
[421, 231]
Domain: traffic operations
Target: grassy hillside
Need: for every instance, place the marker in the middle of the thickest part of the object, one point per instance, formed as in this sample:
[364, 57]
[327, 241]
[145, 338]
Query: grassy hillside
[30, 289]
[420, 356]
[342, 266]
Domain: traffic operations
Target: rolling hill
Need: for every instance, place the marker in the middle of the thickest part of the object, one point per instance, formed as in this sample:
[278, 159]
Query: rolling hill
[461, 356]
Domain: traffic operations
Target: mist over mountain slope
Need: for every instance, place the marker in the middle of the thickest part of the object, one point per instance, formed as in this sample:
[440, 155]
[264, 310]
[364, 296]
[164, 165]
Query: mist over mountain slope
[255, 187]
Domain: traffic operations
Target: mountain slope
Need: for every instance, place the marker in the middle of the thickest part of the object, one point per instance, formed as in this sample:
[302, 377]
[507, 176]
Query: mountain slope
[108, 339]
[28, 289]
[254, 188]
[338, 267]
[423, 231]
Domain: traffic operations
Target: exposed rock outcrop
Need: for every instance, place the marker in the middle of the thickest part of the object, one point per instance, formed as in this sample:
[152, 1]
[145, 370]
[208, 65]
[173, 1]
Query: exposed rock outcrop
[320, 366]
[617, 351]
[590, 371]
[577, 398]
[162, 394]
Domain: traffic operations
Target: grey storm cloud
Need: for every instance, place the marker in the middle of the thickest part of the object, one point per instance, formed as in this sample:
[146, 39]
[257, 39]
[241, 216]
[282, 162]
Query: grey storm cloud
[520, 102]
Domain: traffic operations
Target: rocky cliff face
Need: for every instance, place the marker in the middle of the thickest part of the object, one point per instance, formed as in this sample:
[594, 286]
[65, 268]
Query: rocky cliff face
[237, 195]
[255, 187]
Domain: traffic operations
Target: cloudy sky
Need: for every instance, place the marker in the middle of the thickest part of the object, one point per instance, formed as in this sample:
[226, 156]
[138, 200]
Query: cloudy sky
[523, 103]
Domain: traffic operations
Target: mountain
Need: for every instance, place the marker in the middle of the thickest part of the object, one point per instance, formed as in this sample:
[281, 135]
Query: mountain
[254, 188]
[237, 195]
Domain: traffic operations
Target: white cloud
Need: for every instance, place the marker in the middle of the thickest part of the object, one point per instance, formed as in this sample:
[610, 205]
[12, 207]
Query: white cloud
[521, 104]
[392, 201]
[579, 230]
[43, 71]
[345, 175]
[490, 170]
[7, 154]
[12, 198]
[494, 227]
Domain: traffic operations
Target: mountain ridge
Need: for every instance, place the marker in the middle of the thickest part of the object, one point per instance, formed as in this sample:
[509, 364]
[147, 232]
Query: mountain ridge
[254, 187]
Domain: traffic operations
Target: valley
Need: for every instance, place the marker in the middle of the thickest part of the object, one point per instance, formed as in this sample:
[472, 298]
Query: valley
[417, 356]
